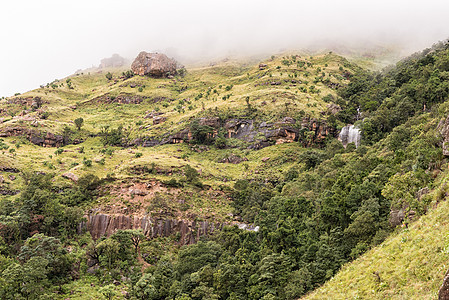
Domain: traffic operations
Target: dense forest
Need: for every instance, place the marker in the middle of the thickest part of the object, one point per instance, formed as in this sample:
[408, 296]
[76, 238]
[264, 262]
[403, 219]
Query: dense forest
[331, 206]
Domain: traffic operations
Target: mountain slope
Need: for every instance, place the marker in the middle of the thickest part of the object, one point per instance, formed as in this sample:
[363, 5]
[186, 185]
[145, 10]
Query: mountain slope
[226, 183]
[410, 264]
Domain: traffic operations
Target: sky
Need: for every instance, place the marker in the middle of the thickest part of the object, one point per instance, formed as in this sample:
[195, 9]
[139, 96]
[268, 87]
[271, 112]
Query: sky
[50, 39]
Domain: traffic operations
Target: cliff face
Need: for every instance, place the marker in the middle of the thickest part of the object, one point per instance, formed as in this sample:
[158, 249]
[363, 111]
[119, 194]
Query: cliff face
[44, 139]
[189, 231]
[308, 132]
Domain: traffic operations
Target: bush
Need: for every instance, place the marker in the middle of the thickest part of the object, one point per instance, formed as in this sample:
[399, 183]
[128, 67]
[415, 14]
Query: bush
[128, 74]
[109, 76]
[87, 162]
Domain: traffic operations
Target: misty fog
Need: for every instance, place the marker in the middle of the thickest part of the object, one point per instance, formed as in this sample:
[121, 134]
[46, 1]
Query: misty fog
[49, 39]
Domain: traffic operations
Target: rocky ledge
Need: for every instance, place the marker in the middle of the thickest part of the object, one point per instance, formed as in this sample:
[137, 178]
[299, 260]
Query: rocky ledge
[44, 139]
[259, 135]
[189, 232]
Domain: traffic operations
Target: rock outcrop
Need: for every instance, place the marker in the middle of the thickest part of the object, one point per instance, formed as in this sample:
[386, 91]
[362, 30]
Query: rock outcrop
[43, 139]
[443, 128]
[443, 293]
[154, 64]
[233, 159]
[70, 176]
[189, 231]
[122, 98]
[114, 61]
[310, 132]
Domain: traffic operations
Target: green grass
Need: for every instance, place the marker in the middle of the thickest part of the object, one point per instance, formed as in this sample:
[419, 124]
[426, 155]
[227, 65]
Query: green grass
[199, 94]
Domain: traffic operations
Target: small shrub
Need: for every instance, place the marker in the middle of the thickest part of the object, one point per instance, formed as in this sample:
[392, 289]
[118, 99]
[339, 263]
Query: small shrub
[87, 162]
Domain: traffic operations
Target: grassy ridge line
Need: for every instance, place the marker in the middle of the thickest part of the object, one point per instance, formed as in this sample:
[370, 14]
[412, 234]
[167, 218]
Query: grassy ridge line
[408, 265]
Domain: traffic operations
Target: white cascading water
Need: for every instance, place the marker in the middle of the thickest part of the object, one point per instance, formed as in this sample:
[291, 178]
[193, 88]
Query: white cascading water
[349, 134]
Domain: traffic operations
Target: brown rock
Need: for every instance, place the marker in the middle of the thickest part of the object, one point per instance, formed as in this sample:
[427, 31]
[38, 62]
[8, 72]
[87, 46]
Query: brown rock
[190, 231]
[333, 108]
[443, 128]
[396, 217]
[70, 176]
[265, 159]
[233, 159]
[153, 64]
[443, 293]
[138, 192]
[158, 120]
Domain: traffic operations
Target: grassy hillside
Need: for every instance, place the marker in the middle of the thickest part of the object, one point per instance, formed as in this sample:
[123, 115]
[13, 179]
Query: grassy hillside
[224, 90]
[410, 264]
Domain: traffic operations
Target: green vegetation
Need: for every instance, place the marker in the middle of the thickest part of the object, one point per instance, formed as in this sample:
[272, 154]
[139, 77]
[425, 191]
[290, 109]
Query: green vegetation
[228, 144]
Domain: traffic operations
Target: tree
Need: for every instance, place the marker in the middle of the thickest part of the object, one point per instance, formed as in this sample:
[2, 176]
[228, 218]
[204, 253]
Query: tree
[136, 237]
[201, 134]
[109, 249]
[79, 123]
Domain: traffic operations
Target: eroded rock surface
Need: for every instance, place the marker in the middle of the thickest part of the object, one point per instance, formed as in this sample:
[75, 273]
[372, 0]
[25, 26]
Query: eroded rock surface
[44, 139]
[114, 61]
[154, 64]
[189, 231]
[259, 135]
[443, 128]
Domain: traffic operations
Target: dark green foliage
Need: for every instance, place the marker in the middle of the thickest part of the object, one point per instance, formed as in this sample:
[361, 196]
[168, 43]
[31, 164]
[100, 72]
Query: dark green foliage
[201, 134]
[311, 158]
[112, 137]
[248, 198]
[38, 209]
[83, 192]
[128, 74]
[79, 122]
[192, 258]
[220, 140]
[108, 76]
[42, 262]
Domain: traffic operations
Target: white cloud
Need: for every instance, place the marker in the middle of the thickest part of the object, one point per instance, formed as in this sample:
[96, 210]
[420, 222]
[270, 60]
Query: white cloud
[48, 39]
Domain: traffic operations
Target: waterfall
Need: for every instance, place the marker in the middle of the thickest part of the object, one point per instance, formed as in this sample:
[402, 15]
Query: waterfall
[349, 134]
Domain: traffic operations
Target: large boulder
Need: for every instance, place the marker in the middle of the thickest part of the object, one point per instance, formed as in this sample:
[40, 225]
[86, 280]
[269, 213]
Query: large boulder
[153, 64]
